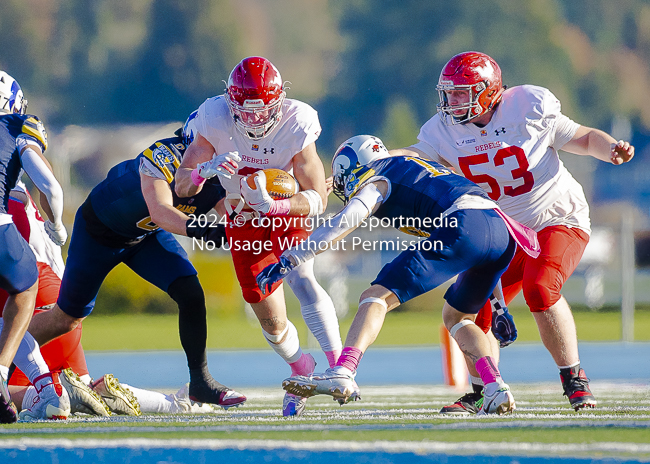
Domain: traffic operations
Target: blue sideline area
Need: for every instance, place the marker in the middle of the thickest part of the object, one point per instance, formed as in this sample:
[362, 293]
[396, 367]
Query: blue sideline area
[628, 362]
[174, 455]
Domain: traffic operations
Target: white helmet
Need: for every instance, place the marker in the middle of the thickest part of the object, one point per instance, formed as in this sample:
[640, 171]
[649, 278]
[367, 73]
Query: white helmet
[354, 152]
[11, 96]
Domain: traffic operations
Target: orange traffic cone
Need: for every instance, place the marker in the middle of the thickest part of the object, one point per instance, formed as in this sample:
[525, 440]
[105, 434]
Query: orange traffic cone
[454, 368]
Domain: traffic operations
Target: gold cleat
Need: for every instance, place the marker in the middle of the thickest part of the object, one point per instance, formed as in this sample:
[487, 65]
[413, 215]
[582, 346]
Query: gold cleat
[82, 398]
[120, 400]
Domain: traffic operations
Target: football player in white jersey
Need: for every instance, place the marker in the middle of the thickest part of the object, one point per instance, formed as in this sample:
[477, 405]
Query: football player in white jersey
[252, 127]
[507, 141]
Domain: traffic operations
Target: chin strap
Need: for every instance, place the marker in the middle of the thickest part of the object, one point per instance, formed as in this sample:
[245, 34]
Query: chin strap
[232, 212]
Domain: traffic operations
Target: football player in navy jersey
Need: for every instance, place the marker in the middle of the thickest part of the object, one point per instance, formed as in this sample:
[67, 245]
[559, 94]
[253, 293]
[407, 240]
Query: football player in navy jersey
[23, 140]
[130, 218]
[465, 235]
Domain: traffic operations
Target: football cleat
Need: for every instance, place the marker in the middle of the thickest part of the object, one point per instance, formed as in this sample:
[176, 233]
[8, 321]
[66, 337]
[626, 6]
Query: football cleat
[212, 392]
[182, 404]
[337, 381]
[51, 401]
[82, 398]
[8, 413]
[120, 400]
[497, 399]
[465, 405]
[576, 388]
[293, 405]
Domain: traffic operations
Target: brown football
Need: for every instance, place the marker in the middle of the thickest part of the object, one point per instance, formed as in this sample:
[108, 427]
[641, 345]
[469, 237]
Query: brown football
[280, 184]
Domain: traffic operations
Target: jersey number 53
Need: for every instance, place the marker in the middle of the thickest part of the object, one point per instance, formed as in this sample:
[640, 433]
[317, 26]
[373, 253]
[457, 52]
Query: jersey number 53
[520, 172]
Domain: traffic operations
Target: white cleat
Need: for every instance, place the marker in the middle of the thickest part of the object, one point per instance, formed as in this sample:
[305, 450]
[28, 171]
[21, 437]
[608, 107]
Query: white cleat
[497, 399]
[338, 382]
[292, 405]
[82, 398]
[182, 404]
[51, 401]
[120, 400]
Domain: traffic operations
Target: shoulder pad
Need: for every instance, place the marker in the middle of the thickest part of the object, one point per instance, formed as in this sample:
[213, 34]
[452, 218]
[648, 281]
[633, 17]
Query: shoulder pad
[33, 127]
[165, 155]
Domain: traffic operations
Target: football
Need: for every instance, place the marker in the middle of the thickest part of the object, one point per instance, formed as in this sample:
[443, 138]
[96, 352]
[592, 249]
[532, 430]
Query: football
[280, 184]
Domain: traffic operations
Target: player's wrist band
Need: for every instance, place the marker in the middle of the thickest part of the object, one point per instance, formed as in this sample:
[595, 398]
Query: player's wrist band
[196, 178]
[279, 208]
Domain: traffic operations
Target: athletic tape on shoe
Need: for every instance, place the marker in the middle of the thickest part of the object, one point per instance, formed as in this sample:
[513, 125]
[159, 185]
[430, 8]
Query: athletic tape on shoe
[460, 325]
[372, 299]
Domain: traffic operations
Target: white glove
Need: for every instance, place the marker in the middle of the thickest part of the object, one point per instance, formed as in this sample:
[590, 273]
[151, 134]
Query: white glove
[224, 165]
[56, 232]
[258, 199]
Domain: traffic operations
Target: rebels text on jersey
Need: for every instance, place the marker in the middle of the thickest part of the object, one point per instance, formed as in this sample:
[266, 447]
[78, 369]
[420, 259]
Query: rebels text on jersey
[298, 128]
[514, 158]
[13, 127]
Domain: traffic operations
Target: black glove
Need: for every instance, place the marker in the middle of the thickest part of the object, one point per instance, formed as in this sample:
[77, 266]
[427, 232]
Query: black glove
[209, 233]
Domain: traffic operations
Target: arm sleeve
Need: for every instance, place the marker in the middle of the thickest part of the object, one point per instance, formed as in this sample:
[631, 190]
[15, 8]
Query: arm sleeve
[349, 218]
[43, 179]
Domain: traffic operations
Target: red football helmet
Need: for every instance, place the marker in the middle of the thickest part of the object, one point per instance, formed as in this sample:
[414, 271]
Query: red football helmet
[476, 73]
[255, 95]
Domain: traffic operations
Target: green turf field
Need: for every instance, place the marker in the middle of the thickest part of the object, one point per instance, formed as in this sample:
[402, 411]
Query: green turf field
[397, 414]
[158, 332]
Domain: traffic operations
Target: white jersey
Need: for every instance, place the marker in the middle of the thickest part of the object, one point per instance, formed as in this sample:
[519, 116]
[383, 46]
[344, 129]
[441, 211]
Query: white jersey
[298, 128]
[45, 250]
[514, 158]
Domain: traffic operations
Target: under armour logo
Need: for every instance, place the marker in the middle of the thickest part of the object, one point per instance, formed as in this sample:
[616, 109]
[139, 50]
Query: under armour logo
[269, 150]
[500, 131]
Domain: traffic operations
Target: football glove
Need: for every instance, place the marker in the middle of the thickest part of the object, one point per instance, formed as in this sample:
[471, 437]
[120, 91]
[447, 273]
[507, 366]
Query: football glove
[273, 273]
[224, 165]
[258, 199]
[503, 325]
[56, 232]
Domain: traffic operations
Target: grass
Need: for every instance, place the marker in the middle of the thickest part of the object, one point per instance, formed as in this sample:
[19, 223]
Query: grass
[160, 332]
[406, 415]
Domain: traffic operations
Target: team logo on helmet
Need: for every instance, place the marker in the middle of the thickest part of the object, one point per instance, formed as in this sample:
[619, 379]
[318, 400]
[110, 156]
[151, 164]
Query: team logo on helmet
[349, 161]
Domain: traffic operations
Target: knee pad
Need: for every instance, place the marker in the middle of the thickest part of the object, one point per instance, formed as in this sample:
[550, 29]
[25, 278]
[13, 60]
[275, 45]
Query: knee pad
[459, 326]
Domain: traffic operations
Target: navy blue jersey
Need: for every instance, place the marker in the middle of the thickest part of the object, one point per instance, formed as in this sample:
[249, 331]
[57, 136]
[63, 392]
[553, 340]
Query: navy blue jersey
[117, 202]
[418, 189]
[11, 127]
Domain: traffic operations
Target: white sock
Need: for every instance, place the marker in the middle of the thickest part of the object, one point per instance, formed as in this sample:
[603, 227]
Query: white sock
[316, 307]
[86, 378]
[29, 358]
[151, 401]
[289, 349]
[476, 380]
